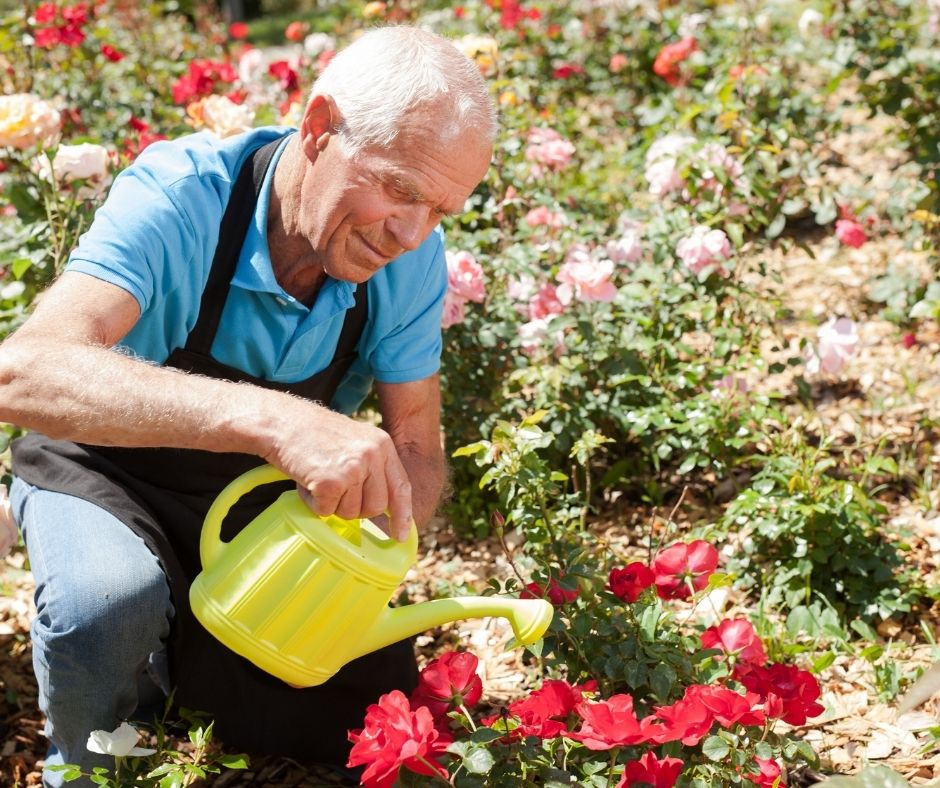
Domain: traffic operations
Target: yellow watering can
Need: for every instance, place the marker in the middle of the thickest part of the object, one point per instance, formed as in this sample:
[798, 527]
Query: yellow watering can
[300, 595]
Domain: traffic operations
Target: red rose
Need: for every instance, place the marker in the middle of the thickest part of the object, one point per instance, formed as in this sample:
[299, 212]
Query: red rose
[681, 564]
[45, 13]
[629, 582]
[238, 31]
[769, 773]
[71, 35]
[851, 233]
[448, 683]
[608, 723]
[47, 37]
[394, 736]
[284, 74]
[728, 707]
[111, 53]
[788, 692]
[555, 594]
[687, 720]
[737, 639]
[295, 31]
[511, 14]
[649, 770]
[545, 712]
[567, 70]
[76, 14]
[670, 56]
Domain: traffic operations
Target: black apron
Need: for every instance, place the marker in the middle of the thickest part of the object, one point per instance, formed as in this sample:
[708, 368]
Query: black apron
[163, 495]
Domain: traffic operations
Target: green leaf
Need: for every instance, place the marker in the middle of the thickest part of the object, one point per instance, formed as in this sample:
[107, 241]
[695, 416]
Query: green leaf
[469, 451]
[715, 748]
[174, 780]
[776, 226]
[484, 735]
[239, 761]
[764, 751]
[873, 777]
[21, 266]
[478, 761]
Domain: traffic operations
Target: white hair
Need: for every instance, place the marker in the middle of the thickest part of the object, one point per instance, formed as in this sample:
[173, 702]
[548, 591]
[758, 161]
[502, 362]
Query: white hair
[390, 71]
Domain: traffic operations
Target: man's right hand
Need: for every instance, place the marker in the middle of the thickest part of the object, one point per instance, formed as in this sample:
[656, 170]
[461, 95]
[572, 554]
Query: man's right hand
[342, 467]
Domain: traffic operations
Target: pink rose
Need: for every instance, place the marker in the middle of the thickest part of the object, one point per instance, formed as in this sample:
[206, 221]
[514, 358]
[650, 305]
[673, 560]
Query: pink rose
[626, 249]
[586, 279]
[664, 177]
[705, 248]
[465, 276]
[545, 303]
[851, 233]
[662, 168]
[836, 342]
[547, 148]
[542, 216]
[531, 335]
[453, 310]
[521, 289]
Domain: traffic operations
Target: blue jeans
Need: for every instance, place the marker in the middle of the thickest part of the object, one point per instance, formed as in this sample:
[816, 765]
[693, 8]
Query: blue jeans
[103, 612]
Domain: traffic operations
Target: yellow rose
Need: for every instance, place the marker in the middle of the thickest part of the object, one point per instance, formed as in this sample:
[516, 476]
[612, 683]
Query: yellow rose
[482, 49]
[26, 120]
[374, 9]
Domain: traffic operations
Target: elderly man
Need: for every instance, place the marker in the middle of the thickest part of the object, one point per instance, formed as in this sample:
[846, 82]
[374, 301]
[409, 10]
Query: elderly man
[232, 300]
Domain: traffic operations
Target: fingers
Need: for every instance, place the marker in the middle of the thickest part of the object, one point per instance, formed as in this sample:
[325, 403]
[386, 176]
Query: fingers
[362, 482]
[399, 498]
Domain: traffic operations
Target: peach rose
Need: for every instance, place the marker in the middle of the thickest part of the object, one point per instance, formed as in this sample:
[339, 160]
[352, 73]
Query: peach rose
[26, 120]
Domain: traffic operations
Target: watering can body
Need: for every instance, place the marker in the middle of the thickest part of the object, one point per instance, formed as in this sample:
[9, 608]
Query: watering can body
[300, 595]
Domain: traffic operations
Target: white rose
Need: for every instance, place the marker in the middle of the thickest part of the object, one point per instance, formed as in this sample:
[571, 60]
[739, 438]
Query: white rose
[810, 21]
[316, 43]
[85, 162]
[223, 117]
[249, 64]
[26, 120]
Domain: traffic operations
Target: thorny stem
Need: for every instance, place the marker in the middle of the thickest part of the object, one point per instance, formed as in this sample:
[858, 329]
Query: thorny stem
[466, 713]
[500, 534]
[543, 507]
[613, 762]
[688, 582]
[435, 769]
[587, 498]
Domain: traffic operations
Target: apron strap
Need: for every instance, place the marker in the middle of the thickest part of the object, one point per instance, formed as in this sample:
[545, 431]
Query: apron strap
[235, 222]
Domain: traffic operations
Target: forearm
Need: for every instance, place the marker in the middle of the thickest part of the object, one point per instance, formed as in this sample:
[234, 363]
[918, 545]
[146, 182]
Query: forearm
[101, 396]
[427, 474]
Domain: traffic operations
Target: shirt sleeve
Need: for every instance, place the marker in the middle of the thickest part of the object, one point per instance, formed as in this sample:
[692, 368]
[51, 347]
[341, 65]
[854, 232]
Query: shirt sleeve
[410, 349]
[144, 235]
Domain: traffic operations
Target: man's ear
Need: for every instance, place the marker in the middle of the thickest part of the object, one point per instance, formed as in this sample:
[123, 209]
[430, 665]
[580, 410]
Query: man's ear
[319, 124]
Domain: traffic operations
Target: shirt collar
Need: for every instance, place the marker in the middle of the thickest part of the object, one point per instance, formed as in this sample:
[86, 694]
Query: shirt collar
[254, 271]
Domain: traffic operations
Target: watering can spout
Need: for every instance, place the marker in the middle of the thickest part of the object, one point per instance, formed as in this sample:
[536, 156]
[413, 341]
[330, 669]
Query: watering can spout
[529, 619]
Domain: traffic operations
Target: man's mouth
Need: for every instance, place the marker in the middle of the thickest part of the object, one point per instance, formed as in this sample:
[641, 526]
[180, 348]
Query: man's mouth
[375, 251]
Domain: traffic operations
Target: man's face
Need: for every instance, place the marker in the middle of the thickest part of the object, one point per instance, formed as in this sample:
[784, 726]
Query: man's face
[370, 209]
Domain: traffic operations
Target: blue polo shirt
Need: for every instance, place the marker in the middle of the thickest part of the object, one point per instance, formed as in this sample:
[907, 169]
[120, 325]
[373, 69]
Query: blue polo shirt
[155, 237]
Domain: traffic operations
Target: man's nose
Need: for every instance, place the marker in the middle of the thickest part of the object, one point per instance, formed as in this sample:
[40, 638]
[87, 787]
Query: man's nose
[411, 225]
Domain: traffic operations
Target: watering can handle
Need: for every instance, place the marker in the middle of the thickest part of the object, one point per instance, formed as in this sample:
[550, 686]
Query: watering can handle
[210, 542]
